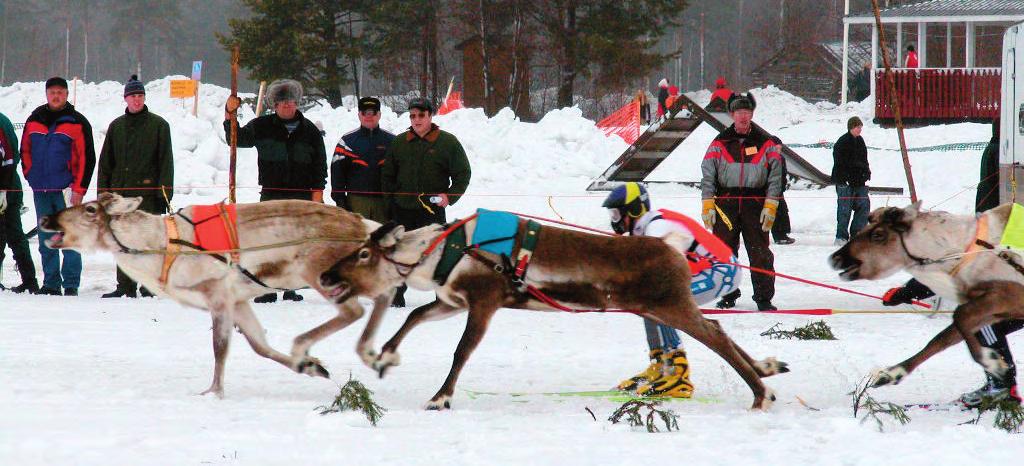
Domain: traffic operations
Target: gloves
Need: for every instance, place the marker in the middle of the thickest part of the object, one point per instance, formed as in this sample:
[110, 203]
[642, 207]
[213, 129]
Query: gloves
[318, 196]
[3, 201]
[232, 104]
[768, 214]
[897, 296]
[707, 212]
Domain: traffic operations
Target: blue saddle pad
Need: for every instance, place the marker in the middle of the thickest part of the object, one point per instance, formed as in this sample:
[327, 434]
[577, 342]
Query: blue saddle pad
[491, 225]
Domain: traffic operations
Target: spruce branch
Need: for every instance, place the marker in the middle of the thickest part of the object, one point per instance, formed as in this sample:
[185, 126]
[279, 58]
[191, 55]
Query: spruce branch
[630, 410]
[814, 331]
[874, 408]
[354, 396]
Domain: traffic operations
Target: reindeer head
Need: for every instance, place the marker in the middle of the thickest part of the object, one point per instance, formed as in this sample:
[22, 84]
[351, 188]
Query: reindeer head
[366, 272]
[86, 227]
[878, 250]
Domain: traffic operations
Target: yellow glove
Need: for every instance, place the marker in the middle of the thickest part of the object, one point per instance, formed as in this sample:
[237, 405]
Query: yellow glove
[707, 212]
[768, 214]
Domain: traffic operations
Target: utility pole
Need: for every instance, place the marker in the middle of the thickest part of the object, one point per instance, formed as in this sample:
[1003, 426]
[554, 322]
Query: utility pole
[894, 100]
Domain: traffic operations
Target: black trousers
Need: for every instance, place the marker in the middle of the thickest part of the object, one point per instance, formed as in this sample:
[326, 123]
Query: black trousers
[151, 204]
[745, 214]
[13, 234]
[994, 336]
[781, 228]
[412, 219]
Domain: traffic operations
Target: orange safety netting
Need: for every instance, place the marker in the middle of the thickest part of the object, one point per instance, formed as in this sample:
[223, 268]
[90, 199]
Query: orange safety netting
[624, 122]
[453, 102]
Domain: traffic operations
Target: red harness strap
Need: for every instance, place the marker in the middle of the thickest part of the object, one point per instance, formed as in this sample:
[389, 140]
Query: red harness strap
[440, 239]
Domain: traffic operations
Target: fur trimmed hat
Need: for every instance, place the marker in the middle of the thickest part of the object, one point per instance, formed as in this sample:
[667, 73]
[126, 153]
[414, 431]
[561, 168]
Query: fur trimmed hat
[741, 102]
[284, 90]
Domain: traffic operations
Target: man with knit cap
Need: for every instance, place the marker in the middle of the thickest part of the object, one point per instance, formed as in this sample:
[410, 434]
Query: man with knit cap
[58, 159]
[137, 160]
[740, 192]
[357, 162]
[291, 156]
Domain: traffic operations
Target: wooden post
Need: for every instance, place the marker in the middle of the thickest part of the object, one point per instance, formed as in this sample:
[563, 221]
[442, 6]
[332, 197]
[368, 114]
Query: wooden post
[74, 91]
[894, 101]
[259, 98]
[234, 128]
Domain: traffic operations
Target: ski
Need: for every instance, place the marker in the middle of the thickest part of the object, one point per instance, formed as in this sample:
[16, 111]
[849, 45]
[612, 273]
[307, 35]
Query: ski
[609, 395]
[941, 406]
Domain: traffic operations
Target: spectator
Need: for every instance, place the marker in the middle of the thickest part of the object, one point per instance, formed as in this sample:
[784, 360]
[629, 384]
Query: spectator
[662, 97]
[911, 61]
[136, 160]
[987, 196]
[425, 170]
[291, 157]
[355, 169]
[782, 227]
[58, 159]
[742, 183]
[11, 232]
[720, 98]
[860, 88]
[673, 94]
[850, 173]
[645, 108]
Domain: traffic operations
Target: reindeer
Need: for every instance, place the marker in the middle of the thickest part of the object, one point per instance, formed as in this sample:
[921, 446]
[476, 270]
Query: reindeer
[569, 268]
[955, 256]
[311, 236]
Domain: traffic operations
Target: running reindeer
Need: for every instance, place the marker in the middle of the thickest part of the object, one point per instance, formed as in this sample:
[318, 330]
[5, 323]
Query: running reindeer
[955, 256]
[553, 269]
[163, 253]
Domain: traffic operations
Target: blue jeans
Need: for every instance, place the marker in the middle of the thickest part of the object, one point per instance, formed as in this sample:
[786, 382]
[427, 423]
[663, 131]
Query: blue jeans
[855, 200]
[55, 275]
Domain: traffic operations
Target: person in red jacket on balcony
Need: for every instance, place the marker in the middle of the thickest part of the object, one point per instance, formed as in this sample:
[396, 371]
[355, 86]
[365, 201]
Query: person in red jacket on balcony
[720, 98]
[911, 58]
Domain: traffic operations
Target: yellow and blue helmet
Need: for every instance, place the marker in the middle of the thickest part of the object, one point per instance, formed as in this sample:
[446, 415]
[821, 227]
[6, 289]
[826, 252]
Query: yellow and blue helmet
[628, 200]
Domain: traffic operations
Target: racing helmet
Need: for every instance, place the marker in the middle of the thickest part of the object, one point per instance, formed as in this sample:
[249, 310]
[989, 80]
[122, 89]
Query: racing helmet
[628, 200]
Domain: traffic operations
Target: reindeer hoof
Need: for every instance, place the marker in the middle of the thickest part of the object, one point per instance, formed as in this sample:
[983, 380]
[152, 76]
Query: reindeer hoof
[368, 356]
[765, 402]
[439, 404]
[771, 366]
[312, 368]
[216, 391]
[994, 363]
[891, 376]
[384, 362]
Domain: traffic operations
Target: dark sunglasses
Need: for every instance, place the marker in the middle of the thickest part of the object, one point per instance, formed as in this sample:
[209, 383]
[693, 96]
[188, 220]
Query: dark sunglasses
[418, 115]
[368, 113]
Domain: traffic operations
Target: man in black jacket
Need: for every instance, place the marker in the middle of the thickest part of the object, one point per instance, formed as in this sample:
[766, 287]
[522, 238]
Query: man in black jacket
[850, 173]
[290, 152]
[355, 168]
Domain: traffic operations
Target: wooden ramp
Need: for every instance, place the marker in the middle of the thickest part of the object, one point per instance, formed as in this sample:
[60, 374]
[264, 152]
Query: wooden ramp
[655, 145]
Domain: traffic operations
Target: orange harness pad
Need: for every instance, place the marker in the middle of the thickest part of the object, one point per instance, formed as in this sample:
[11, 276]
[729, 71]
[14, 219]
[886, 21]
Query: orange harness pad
[213, 235]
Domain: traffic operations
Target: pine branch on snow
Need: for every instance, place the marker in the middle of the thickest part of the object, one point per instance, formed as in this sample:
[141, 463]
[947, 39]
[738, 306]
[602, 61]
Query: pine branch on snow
[631, 411]
[354, 396]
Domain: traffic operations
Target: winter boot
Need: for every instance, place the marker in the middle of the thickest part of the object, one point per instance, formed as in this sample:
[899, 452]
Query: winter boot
[267, 298]
[119, 293]
[675, 379]
[766, 306]
[652, 372]
[993, 390]
[291, 296]
[729, 300]
[31, 287]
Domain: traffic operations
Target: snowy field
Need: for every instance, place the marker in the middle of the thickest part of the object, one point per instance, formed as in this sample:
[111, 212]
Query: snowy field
[87, 381]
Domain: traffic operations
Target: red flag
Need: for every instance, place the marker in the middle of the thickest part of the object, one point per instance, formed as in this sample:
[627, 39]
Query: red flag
[624, 122]
[453, 102]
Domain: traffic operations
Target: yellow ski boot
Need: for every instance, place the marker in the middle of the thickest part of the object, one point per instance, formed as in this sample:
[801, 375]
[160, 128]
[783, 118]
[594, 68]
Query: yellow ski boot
[675, 379]
[652, 372]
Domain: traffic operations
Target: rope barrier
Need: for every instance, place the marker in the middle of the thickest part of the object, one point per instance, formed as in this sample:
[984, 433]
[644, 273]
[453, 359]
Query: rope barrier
[956, 146]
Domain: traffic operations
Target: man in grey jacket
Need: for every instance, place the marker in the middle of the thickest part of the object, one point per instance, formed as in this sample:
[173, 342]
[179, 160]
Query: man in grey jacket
[740, 193]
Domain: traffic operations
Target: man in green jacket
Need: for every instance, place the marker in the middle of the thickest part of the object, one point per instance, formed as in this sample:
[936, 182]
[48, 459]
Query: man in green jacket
[11, 232]
[136, 160]
[425, 170]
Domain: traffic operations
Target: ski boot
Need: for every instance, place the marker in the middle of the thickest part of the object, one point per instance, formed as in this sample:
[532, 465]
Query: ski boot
[994, 390]
[675, 379]
[728, 300]
[652, 372]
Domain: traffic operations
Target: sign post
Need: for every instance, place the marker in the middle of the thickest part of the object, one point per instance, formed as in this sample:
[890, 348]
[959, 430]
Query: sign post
[234, 128]
[197, 74]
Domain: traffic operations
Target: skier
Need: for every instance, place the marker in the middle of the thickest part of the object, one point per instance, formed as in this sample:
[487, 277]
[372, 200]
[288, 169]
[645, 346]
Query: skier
[629, 208]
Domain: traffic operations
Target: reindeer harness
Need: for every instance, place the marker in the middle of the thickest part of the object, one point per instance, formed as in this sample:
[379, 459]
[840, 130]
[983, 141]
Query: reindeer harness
[979, 245]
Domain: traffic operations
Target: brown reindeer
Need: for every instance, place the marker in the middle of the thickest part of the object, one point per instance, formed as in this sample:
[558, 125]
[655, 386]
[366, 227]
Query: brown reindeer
[955, 256]
[572, 268]
[312, 237]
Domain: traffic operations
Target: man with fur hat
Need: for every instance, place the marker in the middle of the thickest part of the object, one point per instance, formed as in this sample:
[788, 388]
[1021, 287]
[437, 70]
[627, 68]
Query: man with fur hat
[137, 160]
[357, 162]
[740, 189]
[58, 159]
[291, 156]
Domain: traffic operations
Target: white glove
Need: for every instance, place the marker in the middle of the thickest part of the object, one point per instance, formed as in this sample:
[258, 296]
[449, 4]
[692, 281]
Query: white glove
[3, 201]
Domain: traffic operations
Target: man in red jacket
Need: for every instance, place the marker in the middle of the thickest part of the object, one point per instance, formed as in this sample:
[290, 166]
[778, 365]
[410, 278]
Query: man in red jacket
[58, 159]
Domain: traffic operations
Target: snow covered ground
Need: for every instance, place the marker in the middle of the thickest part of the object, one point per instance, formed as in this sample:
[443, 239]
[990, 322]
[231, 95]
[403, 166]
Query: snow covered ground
[90, 381]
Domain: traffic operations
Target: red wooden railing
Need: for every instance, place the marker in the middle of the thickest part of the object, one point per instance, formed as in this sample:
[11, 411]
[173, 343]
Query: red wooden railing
[942, 93]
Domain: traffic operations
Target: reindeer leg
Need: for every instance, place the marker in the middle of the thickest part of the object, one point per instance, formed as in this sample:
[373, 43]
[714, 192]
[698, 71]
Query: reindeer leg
[364, 348]
[476, 326]
[348, 312]
[435, 310]
[764, 368]
[247, 323]
[893, 375]
[221, 343]
[967, 319]
[710, 333]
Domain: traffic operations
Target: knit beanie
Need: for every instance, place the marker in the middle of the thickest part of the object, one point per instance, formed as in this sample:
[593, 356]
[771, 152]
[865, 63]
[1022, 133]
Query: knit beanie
[56, 81]
[134, 86]
[853, 122]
